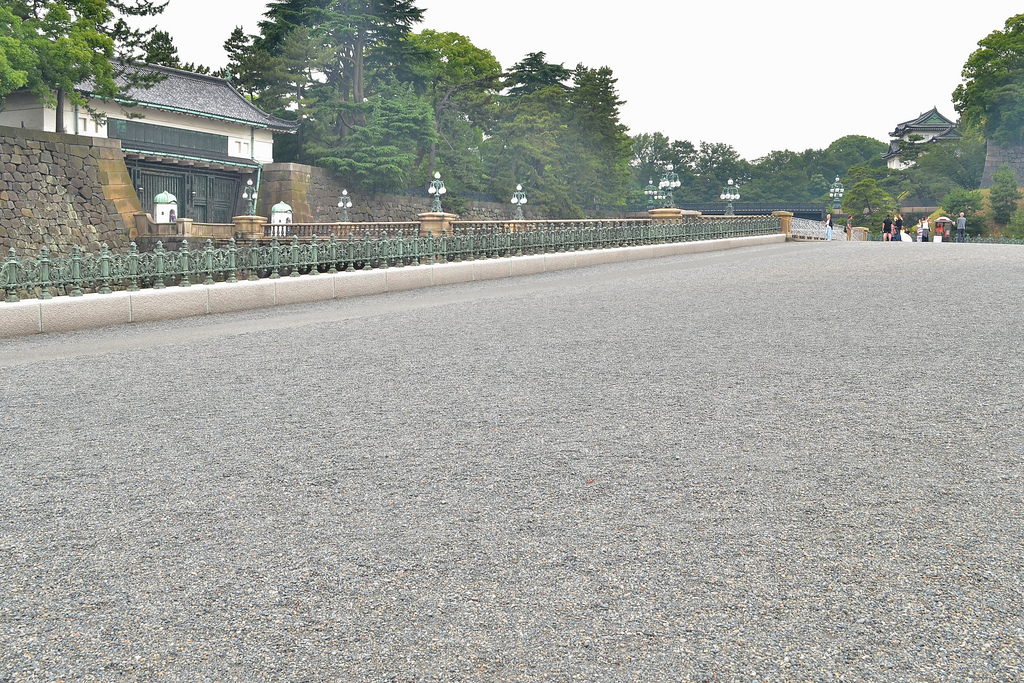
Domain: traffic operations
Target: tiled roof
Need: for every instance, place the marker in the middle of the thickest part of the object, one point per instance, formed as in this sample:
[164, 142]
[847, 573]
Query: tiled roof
[931, 119]
[950, 133]
[200, 95]
[894, 149]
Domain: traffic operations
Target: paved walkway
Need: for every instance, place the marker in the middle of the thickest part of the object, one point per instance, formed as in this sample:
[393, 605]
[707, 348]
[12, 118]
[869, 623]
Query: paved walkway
[657, 471]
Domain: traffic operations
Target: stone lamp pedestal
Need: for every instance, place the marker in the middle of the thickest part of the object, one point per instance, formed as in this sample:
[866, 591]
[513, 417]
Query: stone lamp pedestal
[433, 222]
[670, 215]
[248, 227]
[786, 223]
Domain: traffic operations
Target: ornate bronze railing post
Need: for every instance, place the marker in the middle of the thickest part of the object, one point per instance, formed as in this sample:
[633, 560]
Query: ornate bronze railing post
[275, 259]
[314, 255]
[296, 256]
[332, 253]
[76, 270]
[184, 264]
[254, 260]
[44, 273]
[158, 266]
[132, 267]
[10, 272]
[231, 274]
[208, 262]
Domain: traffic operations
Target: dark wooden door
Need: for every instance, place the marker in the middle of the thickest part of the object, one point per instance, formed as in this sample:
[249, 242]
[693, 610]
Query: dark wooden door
[149, 184]
[200, 200]
[224, 198]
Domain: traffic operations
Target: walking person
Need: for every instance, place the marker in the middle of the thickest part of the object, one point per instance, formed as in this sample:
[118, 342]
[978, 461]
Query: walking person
[920, 230]
[849, 228]
[887, 229]
[961, 227]
[899, 225]
[925, 229]
[828, 226]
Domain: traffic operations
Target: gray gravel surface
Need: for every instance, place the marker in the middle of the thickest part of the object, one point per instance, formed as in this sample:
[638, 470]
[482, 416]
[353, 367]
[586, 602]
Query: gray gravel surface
[788, 463]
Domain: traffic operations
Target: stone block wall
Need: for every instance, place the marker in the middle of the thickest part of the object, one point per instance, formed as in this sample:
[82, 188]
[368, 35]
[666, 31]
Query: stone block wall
[62, 190]
[313, 195]
[996, 156]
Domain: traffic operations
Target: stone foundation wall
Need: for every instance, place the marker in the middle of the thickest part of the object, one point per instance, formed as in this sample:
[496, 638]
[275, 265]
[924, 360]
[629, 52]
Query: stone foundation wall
[313, 195]
[61, 191]
[996, 156]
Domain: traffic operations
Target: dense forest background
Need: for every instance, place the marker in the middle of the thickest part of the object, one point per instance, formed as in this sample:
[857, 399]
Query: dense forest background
[384, 106]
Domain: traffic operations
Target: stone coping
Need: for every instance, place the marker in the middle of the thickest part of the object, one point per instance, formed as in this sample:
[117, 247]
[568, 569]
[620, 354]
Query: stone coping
[65, 314]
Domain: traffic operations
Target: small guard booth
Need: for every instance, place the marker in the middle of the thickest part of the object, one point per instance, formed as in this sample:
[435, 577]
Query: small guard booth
[280, 219]
[943, 230]
[165, 208]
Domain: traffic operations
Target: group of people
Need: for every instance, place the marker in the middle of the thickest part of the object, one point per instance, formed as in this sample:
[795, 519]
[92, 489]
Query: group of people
[893, 230]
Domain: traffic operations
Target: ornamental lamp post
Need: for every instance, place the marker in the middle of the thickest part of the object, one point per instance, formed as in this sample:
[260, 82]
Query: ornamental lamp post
[518, 199]
[344, 203]
[669, 182]
[651, 193]
[249, 195]
[435, 190]
[836, 192]
[730, 194]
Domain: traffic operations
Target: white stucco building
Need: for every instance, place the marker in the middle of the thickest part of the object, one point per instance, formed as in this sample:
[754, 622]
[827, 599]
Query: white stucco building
[189, 134]
[929, 127]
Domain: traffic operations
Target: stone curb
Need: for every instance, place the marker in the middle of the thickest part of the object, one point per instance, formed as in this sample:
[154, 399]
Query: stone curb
[64, 314]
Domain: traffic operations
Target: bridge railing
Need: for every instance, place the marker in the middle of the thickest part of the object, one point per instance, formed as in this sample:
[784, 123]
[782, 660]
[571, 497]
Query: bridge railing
[45, 276]
[803, 229]
[306, 230]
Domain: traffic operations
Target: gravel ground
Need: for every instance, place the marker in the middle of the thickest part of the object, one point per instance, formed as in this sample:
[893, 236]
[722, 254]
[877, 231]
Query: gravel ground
[799, 462]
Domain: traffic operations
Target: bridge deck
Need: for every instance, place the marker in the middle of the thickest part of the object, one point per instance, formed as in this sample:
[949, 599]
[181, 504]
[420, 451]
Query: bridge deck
[788, 462]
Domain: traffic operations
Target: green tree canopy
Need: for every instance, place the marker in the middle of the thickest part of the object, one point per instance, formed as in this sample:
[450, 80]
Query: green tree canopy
[968, 202]
[1003, 194]
[17, 59]
[714, 164]
[866, 199]
[52, 48]
[533, 74]
[383, 151]
[459, 80]
[991, 98]
[161, 50]
[565, 144]
[249, 67]
[602, 174]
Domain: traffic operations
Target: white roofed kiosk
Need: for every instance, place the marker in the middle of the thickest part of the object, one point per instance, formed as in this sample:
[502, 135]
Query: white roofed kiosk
[190, 135]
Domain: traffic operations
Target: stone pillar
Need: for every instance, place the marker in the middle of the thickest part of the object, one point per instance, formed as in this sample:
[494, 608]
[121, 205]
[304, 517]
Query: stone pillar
[434, 222]
[665, 215]
[247, 227]
[786, 218]
[292, 184]
[671, 215]
[185, 227]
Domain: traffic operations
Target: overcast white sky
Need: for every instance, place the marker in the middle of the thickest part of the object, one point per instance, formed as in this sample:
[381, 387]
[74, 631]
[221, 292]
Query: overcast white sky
[757, 75]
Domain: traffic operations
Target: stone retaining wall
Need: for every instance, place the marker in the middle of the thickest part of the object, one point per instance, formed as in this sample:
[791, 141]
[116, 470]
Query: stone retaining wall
[61, 191]
[313, 195]
[996, 156]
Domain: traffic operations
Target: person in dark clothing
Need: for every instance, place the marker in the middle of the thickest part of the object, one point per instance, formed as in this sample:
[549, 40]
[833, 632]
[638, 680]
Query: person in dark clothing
[898, 223]
[887, 229]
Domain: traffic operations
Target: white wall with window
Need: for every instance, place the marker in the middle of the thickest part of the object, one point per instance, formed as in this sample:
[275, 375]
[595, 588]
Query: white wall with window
[23, 110]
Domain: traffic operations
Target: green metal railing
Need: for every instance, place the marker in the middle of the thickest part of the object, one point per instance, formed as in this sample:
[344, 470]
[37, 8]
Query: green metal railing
[45, 276]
